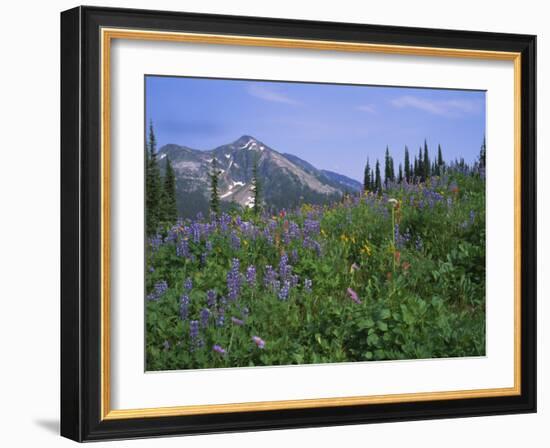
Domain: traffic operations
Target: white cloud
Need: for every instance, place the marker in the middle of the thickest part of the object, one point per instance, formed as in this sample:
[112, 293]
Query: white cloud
[448, 108]
[268, 94]
[369, 108]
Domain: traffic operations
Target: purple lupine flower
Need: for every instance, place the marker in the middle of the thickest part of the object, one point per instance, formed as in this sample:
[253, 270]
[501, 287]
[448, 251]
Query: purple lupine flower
[204, 316]
[237, 321]
[293, 230]
[310, 243]
[182, 249]
[284, 291]
[286, 238]
[173, 233]
[158, 291]
[270, 276]
[268, 236]
[155, 242]
[260, 343]
[285, 269]
[218, 349]
[225, 220]
[307, 285]
[184, 307]
[317, 248]
[472, 216]
[234, 280]
[251, 275]
[294, 280]
[311, 227]
[294, 256]
[188, 284]
[353, 296]
[220, 320]
[235, 241]
[208, 246]
[194, 330]
[196, 232]
[211, 297]
[203, 258]
[401, 238]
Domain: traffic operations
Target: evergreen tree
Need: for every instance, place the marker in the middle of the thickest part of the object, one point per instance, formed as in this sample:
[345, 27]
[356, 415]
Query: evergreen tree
[420, 165]
[214, 194]
[440, 162]
[407, 165]
[152, 185]
[415, 171]
[426, 162]
[366, 177]
[256, 187]
[377, 180]
[400, 178]
[392, 170]
[482, 153]
[169, 212]
[387, 168]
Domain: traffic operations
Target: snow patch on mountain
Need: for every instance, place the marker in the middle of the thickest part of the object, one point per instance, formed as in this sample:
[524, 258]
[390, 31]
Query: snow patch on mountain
[252, 145]
[249, 202]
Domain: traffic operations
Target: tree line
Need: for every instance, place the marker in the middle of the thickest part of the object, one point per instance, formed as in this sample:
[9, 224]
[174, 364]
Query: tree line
[160, 191]
[417, 170]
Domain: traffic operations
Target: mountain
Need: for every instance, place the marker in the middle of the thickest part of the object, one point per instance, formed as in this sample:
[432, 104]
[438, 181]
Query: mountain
[347, 183]
[336, 180]
[287, 181]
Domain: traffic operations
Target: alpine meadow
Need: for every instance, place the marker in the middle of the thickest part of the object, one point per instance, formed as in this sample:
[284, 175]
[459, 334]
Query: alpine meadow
[303, 223]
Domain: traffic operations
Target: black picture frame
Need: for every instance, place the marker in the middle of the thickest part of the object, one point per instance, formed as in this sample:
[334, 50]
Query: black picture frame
[81, 224]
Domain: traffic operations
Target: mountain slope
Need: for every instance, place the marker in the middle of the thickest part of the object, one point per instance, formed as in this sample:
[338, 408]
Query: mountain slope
[287, 181]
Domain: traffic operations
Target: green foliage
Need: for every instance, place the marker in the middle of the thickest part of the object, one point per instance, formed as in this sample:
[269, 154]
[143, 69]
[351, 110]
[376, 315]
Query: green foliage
[377, 179]
[153, 187]
[256, 187]
[214, 194]
[367, 181]
[168, 208]
[426, 173]
[408, 173]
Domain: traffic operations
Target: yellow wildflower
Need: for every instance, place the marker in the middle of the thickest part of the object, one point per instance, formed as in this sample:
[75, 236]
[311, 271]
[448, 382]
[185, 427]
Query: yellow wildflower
[366, 249]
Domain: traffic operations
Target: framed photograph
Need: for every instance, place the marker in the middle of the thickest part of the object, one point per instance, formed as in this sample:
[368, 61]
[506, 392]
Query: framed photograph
[273, 223]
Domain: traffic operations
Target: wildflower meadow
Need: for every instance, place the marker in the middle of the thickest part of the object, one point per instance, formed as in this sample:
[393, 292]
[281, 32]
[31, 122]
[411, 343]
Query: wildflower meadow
[393, 274]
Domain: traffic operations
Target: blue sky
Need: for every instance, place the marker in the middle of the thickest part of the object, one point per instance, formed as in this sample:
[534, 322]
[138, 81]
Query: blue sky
[332, 126]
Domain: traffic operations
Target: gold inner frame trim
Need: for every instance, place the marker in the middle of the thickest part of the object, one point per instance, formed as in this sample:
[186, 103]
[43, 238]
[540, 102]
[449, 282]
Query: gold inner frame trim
[107, 35]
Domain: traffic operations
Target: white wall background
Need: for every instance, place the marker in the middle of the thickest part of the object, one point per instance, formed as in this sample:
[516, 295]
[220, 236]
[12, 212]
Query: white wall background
[29, 224]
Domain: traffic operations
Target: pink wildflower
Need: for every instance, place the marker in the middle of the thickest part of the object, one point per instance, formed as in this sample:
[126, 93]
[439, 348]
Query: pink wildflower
[258, 341]
[353, 296]
[217, 348]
